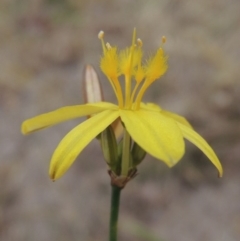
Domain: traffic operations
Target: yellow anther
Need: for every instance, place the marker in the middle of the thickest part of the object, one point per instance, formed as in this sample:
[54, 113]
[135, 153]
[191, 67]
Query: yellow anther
[101, 35]
[139, 42]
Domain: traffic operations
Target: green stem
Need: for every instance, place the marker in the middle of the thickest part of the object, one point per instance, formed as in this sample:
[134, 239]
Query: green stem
[115, 200]
[125, 154]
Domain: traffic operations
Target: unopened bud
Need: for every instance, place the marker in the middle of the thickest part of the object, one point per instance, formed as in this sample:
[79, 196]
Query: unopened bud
[109, 147]
[138, 154]
[92, 89]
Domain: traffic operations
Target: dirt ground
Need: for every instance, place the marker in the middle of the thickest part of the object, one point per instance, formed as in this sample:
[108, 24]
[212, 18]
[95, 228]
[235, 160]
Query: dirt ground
[44, 46]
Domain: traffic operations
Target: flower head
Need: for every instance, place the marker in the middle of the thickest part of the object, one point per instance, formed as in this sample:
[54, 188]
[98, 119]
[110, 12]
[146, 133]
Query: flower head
[152, 129]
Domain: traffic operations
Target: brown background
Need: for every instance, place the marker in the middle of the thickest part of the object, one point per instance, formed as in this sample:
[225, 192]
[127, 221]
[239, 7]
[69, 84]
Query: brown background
[44, 46]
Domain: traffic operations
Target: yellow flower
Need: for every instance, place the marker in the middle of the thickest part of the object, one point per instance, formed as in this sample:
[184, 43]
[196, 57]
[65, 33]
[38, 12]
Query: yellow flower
[159, 132]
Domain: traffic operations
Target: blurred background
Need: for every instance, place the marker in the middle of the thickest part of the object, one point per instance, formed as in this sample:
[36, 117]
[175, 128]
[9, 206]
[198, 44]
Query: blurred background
[44, 45]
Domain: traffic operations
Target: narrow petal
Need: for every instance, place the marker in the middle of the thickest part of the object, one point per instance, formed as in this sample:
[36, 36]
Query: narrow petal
[104, 105]
[177, 118]
[63, 114]
[77, 139]
[197, 140]
[116, 125]
[156, 134]
[150, 107]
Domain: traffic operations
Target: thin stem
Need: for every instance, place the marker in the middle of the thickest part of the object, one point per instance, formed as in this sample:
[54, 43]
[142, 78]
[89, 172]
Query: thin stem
[115, 200]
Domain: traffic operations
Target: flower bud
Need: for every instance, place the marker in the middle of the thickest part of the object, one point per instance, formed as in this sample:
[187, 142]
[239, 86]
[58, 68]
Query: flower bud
[92, 89]
[138, 154]
[109, 147]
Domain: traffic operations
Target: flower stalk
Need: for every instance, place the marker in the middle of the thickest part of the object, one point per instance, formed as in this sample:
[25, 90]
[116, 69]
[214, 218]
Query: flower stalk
[115, 202]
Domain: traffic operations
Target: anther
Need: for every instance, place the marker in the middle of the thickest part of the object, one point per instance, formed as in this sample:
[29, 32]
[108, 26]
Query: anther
[108, 46]
[101, 35]
[164, 39]
[139, 42]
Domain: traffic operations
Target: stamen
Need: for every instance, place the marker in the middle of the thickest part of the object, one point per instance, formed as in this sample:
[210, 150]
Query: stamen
[134, 36]
[100, 36]
[139, 42]
[129, 63]
[164, 39]
[155, 68]
[108, 46]
[129, 72]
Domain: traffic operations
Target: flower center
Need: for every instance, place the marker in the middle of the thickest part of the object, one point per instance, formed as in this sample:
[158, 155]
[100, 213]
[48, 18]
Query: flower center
[128, 62]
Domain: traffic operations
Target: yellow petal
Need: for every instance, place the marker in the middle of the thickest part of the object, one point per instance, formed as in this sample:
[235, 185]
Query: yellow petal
[177, 118]
[104, 105]
[116, 125]
[155, 133]
[76, 140]
[63, 114]
[150, 107]
[197, 140]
